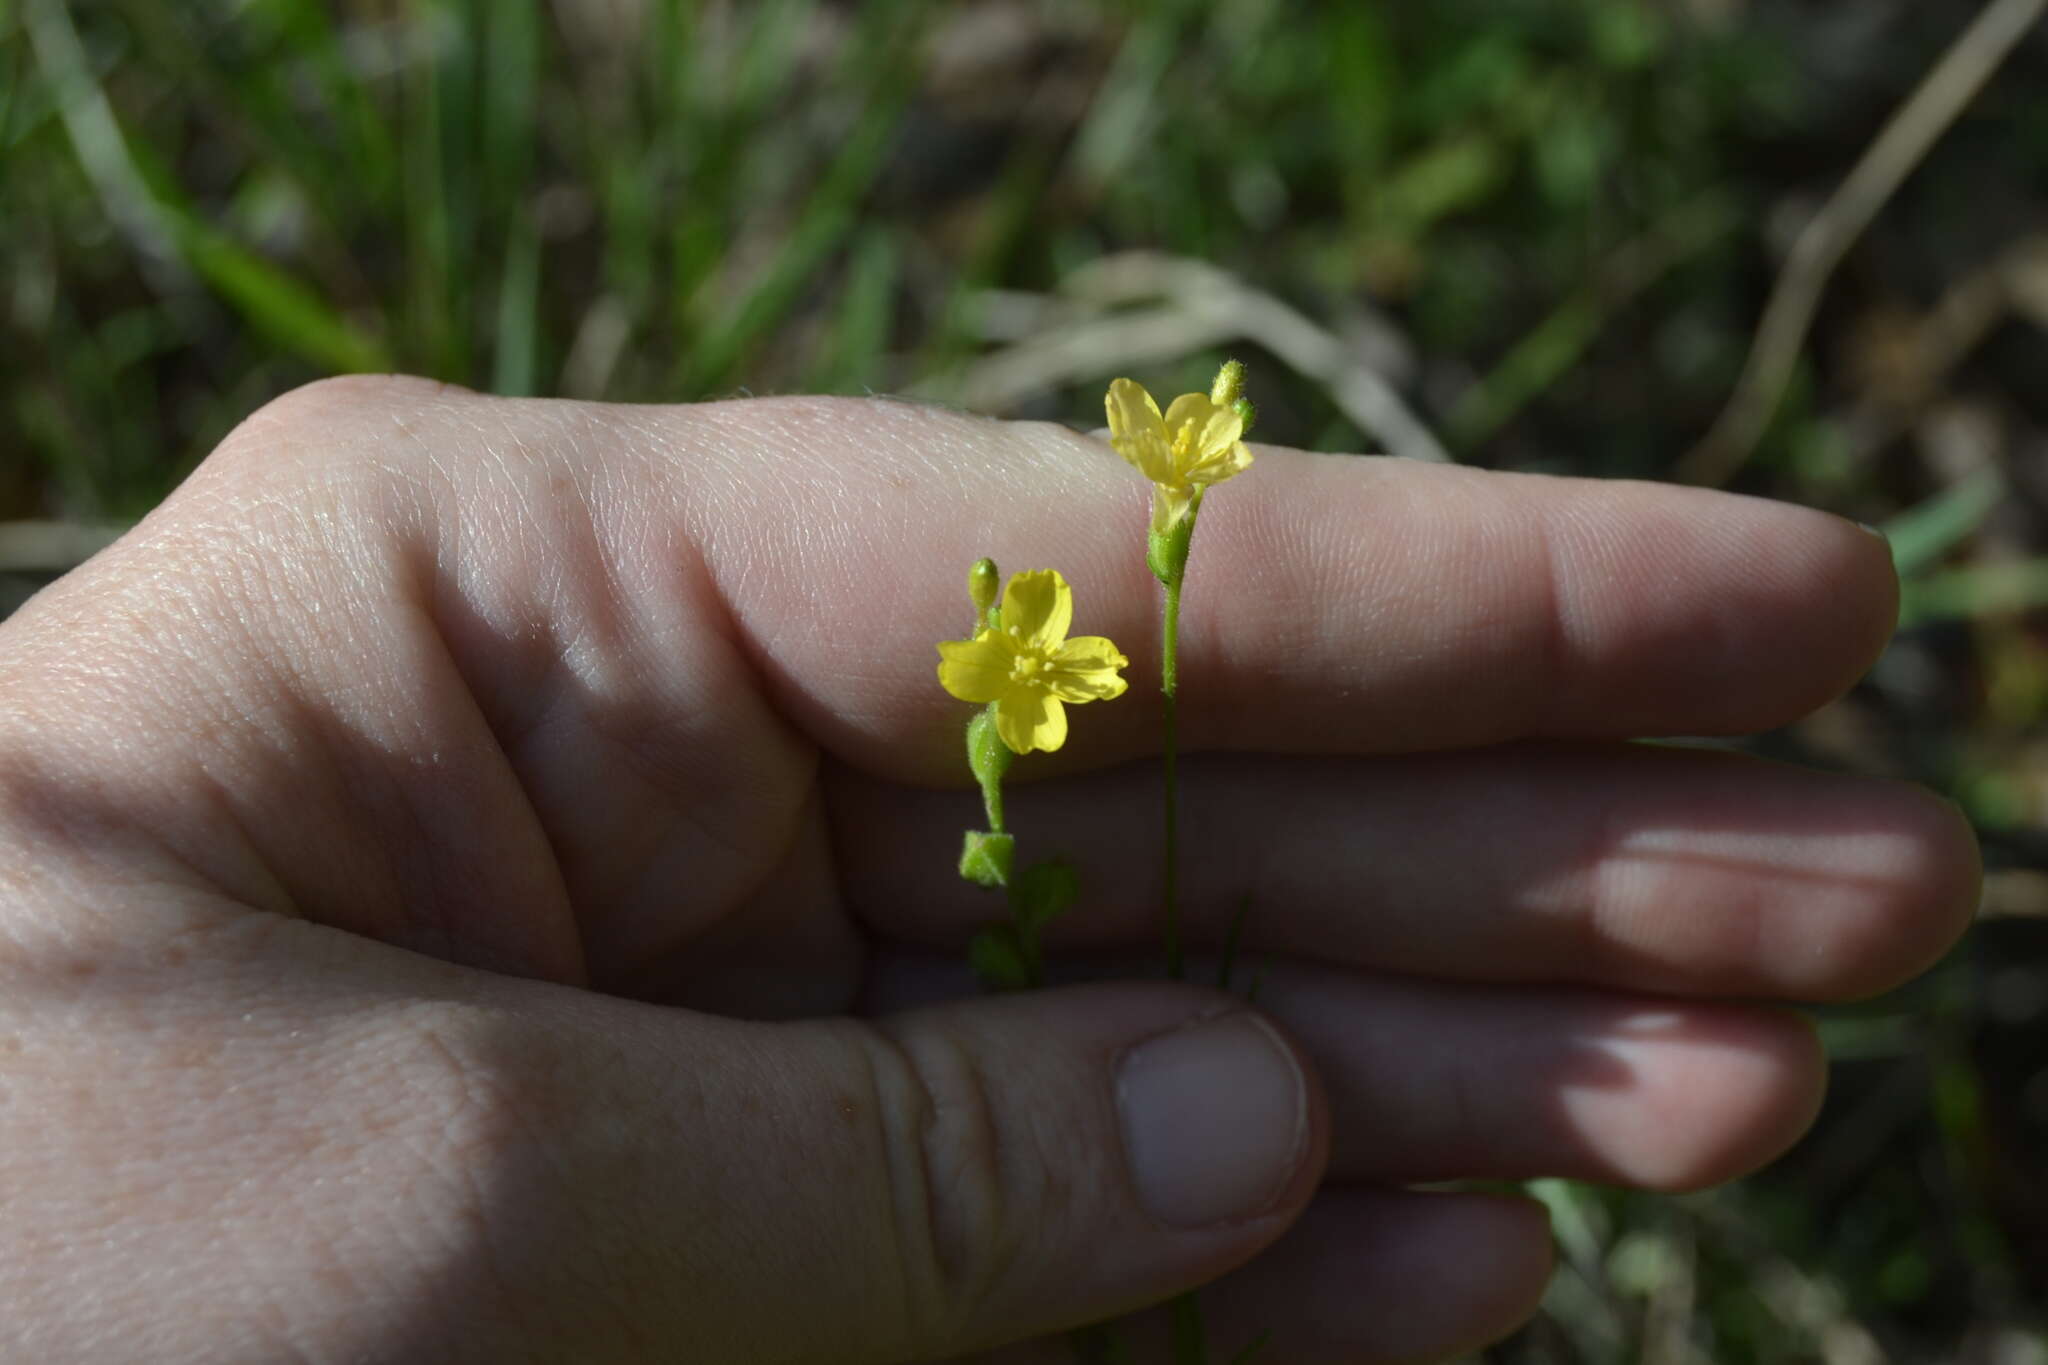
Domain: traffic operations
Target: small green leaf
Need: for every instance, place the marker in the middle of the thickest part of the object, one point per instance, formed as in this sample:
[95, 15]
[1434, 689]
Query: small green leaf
[998, 959]
[1043, 893]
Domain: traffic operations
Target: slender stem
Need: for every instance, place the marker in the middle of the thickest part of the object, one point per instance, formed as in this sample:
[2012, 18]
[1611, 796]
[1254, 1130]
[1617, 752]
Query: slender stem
[1169, 684]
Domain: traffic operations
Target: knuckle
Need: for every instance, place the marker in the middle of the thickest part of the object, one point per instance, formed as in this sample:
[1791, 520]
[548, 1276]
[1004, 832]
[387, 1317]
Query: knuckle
[345, 420]
[317, 408]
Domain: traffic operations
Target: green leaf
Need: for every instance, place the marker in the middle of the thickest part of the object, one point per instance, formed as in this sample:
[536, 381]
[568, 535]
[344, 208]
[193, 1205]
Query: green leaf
[998, 959]
[1043, 893]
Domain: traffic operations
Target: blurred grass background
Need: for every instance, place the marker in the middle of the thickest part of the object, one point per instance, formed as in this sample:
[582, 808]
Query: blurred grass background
[1524, 234]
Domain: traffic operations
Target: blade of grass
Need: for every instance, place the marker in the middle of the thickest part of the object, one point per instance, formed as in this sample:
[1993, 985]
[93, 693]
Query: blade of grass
[854, 350]
[1924, 532]
[371, 149]
[509, 91]
[437, 184]
[1981, 590]
[169, 235]
[517, 338]
[1127, 105]
[96, 139]
[828, 214]
[276, 303]
[511, 96]
[1558, 343]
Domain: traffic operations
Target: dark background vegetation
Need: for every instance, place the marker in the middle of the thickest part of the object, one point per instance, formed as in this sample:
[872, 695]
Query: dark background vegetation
[1535, 234]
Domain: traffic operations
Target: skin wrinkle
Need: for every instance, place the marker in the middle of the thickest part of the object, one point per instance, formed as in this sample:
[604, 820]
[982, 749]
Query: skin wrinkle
[919, 1260]
[580, 532]
[764, 839]
[970, 1235]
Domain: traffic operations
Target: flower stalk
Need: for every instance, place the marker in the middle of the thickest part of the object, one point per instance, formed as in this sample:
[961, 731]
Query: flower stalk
[1025, 670]
[1197, 442]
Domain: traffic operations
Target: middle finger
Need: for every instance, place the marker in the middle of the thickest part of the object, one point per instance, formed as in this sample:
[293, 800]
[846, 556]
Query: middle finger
[1667, 870]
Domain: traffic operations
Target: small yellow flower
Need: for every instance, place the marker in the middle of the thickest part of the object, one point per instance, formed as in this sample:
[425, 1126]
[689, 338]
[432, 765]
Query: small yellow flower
[1194, 445]
[1029, 667]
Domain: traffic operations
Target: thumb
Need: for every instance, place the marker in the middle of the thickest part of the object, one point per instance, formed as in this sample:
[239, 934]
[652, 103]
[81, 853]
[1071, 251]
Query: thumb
[255, 1137]
[941, 1180]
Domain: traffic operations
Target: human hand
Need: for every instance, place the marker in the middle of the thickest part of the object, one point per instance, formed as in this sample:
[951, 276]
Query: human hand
[623, 721]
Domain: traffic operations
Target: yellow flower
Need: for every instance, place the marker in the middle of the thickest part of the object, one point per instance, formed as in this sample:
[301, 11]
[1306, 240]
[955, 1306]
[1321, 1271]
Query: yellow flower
[1194, 445]
[1029, 667]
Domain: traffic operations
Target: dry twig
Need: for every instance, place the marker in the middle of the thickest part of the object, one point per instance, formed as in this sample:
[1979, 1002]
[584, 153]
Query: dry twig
[51, 547]
[1187, 305]
[1949, 85]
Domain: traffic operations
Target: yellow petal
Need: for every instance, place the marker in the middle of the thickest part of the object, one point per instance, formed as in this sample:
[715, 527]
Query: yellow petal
[1132, 412]
[1038, 607]
[1028, 719]
[1085, 669]
[1220, 464]
[1219, 435]
[1137, 431]
[1189, 407]
[977, 669]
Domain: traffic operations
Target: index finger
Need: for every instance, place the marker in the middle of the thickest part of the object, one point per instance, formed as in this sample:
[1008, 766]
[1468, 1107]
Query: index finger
[1334, 603]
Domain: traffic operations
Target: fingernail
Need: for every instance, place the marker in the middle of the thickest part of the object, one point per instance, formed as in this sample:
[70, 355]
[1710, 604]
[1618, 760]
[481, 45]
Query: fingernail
[1215, 1120]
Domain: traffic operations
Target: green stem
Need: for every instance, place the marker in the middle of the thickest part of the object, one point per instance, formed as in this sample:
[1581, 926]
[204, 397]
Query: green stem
[988, 759]
[1169, 684]
[1166, 554]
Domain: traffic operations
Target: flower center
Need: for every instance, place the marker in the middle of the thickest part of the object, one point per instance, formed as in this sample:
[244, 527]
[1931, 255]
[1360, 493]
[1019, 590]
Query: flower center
[1026, 668]
[1184, 440]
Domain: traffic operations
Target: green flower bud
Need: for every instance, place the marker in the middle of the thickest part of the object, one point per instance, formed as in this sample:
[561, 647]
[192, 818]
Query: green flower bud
[983, 585]
[1247, 413]
[1229, 385]
[985, 858]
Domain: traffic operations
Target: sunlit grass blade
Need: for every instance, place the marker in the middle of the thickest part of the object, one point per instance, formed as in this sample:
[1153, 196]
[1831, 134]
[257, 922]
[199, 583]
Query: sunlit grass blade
[277, 304]
[1924, 532]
